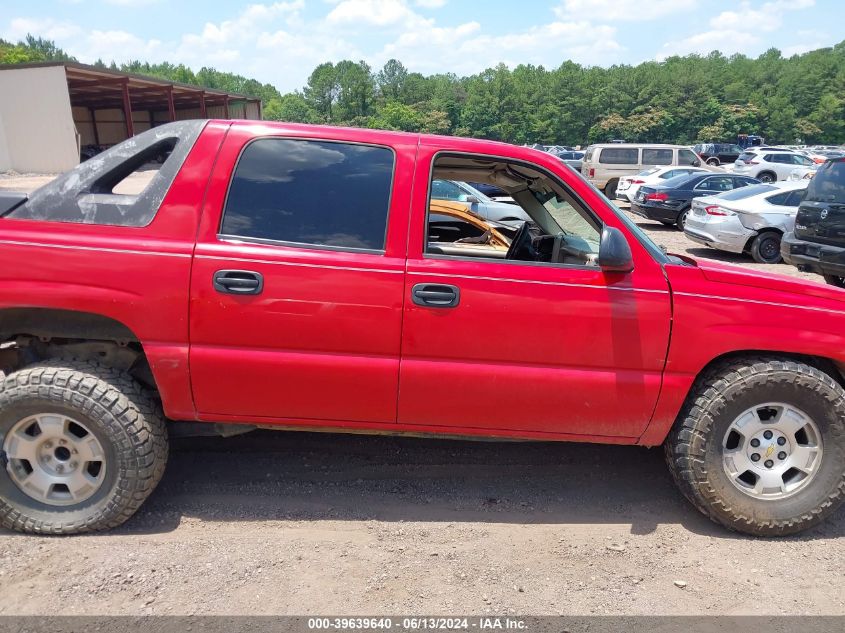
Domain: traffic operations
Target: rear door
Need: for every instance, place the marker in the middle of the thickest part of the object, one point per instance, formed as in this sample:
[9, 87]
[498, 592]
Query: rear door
[297, 280]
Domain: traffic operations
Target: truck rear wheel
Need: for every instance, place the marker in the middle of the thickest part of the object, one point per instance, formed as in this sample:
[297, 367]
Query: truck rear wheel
[83, 447]
[760, 446]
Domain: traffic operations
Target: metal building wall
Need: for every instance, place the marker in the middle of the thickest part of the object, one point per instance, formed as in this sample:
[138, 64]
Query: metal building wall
[38, 130]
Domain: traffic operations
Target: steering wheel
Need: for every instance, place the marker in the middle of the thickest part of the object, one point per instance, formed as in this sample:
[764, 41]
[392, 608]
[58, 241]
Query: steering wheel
[520, 243]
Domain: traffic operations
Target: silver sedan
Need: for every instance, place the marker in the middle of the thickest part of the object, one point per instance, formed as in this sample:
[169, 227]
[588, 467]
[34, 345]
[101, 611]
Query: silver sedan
[750, 219]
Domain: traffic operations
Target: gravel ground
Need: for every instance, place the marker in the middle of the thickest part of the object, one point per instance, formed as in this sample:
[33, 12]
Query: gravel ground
[300, 523]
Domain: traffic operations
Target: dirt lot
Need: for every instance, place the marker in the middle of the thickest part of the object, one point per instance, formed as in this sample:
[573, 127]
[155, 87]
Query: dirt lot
[297, 523]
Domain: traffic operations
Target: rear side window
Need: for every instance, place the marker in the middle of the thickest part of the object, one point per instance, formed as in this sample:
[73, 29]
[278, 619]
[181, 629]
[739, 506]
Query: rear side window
[780, 199]
[123, 186]
[657, 156]
[828, 185]
[747, 192]
[312, 193]
[619, 156]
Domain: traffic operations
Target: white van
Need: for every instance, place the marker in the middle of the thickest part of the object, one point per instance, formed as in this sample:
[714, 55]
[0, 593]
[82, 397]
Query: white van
[604, 164]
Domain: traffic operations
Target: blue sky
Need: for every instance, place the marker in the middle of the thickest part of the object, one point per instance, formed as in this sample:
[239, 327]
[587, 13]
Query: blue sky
[281, 42]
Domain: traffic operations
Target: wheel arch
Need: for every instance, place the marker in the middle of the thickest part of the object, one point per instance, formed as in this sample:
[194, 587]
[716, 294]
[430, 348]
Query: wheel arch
[768, 229]
[36, 334]
[668, 409]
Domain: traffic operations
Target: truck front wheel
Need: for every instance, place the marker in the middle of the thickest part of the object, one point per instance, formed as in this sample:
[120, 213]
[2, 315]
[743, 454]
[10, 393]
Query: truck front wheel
[82, 447]
[760, 446]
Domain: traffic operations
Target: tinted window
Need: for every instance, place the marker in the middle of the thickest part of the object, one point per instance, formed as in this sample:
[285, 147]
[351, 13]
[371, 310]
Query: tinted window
[657, 156]
[828, 185]
[796, 197]
[619, 156]
[686, 157]
[311, 192]
[747, 192]
[780, 199]
[718, 183]
[747, 157]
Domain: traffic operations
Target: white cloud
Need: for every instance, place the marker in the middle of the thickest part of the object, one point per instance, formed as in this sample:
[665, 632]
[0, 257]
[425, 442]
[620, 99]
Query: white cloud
[430, 4]
[47, 28]
[730, 32]
[615, 10]
[374, 12]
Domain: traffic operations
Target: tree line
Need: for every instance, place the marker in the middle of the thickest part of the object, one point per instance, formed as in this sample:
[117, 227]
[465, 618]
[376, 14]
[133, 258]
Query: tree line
[683, 99]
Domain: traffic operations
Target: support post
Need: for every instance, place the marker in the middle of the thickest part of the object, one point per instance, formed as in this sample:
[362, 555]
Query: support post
[226, 107]
[203, 111]
[93, 113]
[127, 111]
[171, 109]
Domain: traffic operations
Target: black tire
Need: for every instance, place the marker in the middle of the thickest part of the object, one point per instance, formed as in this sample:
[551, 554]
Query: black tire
[767, 176]
[715, 162]
[833, 280]
[694, 446]
[765, 248]
[682, 219]
[610, 189]
[125, 420]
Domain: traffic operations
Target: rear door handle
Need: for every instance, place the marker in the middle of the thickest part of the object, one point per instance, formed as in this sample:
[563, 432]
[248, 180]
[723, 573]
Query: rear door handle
[436, 295]
[238, 282]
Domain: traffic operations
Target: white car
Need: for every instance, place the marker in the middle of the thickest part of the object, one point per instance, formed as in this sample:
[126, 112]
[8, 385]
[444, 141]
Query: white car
[770, 166]
[747, 220]
[803, 173]
[478, 203]
[629, 185]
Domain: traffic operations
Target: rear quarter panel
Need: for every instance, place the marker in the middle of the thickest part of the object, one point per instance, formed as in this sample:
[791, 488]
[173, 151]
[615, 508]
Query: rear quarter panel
[138, 276]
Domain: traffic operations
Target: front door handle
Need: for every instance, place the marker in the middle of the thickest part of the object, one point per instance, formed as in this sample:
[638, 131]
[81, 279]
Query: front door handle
[238, 282]
[436, 295]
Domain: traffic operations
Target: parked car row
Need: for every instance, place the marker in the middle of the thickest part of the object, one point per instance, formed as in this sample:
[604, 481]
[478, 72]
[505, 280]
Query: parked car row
[671, 201]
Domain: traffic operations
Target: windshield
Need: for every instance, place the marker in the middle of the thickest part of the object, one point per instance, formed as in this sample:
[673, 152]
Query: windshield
[746, 192]
[828, 185]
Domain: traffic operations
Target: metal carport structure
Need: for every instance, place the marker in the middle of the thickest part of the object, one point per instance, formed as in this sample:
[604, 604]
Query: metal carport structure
[49, 110]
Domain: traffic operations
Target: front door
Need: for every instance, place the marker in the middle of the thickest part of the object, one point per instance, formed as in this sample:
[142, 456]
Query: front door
[530, 346]
[296, 303]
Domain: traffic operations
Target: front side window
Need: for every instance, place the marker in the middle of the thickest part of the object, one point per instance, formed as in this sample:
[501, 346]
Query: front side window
[657, 156]
[560, 230]
[619, 156]
[312, 193]
[686, 157]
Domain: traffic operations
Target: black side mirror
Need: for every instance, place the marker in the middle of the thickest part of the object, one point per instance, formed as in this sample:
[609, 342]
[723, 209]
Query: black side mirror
[696, 163]
[615, 252]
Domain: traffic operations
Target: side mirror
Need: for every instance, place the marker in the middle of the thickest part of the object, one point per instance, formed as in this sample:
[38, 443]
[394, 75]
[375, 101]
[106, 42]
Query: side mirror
[696, 163]
[470, 199]
[615, 252]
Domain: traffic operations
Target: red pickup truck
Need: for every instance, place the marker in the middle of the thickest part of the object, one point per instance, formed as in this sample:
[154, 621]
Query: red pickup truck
[299, 277]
